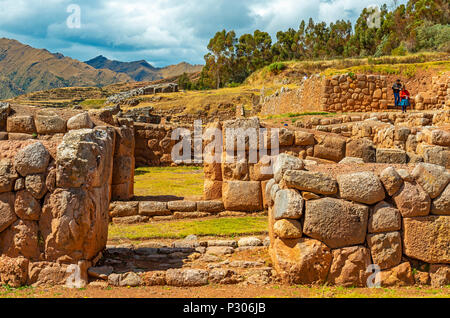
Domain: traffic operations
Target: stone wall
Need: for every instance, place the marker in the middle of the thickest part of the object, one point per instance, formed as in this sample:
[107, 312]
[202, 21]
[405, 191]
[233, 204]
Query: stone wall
[358, 93]
[240, 185]
[438, 97]
[330, 226]
[54, 206]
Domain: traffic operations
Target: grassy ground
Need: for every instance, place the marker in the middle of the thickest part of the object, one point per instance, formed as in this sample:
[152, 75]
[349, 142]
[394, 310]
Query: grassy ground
[226, 292]
[184, 182]
[220, 227]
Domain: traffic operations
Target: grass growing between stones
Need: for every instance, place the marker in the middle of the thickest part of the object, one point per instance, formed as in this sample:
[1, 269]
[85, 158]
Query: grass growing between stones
[185, 182]
[180, 229]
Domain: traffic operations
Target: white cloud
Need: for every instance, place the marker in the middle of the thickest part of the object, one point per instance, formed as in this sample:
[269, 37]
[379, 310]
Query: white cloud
[161, 31]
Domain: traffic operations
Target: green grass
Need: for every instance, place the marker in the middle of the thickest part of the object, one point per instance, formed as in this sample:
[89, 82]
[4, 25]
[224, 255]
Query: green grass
[186, 182]
[93, 103]
[180, 229]
[296, 115]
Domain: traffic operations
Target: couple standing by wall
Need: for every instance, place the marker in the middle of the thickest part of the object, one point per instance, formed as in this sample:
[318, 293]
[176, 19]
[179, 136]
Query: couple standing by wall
[401, 95]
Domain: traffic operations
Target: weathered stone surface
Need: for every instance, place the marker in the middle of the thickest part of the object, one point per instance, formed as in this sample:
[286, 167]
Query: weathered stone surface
[224, 276]
[285, 162]
[151, 208]
[85, 158]
[361, 148]
[8, 176]
[391, 180]
[440, 275]
[441, 205]
[154, 278]
[412, 200]
[187, 277]
[32, 159]
[349, 267]
[437, 155]
[123, 209]
[432, 178]
[315, 182]
[130, 279]
[288, 205]
[74, 224]
[7, 215]
[210, 206]
[219, 250]
[5, 110]
[391, 156]
[35, 185]
[134, 219]
[363, 187]
[440, 137]
[351, 160]
[427, 239]
[123, 169]
[228, 243]
[386, 249]
[242, 195]
[286, 137]
[398, 276]
[331, 148]
[80, 121]
[249, 241]
[182, 206]
[301, 261]
[304, 138]
[288, 229]
[21, 239]
[48, 122]
[422, 278]
[384, 218]
[13, 271]
[21, 124]
[337, 223]
[26, 206]
[47, 274]
[212, 190]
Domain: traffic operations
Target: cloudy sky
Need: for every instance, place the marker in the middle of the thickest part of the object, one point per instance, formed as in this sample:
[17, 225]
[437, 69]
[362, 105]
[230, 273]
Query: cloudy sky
[162, 32]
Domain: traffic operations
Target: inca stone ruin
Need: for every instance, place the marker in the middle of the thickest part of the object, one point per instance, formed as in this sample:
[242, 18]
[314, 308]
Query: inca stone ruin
[344, 193]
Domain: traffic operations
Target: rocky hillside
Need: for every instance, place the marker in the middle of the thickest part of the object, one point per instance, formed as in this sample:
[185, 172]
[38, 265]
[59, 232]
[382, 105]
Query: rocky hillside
[24, 69]
[142, 70]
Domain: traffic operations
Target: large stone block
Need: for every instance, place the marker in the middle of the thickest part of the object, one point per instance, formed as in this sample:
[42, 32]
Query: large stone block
[361, 148]
[362, 187]
[441, 205]
[242, 196]
[412, 200]
[80, 121]
[285, 162]
[8, 176]
[26, 206]
[331, 148]
[288, 205]
[304, 138]
[151, 208]
[21, 240]
[437, 155]
[123, 209]
[392, 156]
[316, 182]
[21, 124]
[48, 123]
[337, 223]
[427, 239]
[384, 218]
[398, 276]
[301, 261]
[288, 229]
[349, 267]
[432, 178]
[386, 249]
[7, 215]
[13, 271]
[392, 181]
[32, 159]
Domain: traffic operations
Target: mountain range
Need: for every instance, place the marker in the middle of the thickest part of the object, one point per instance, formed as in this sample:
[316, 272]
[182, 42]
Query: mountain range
[24, 69]
[142, 70]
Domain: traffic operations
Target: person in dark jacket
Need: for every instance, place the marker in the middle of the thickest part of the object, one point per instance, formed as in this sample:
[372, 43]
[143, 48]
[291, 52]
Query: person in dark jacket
[397, 88]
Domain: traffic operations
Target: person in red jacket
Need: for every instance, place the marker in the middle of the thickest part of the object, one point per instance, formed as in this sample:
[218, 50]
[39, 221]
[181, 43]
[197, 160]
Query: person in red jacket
[404, 99]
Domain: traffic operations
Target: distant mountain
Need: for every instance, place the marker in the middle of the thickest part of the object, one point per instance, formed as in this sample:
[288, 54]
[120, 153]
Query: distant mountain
[24, 69]
[142, 70]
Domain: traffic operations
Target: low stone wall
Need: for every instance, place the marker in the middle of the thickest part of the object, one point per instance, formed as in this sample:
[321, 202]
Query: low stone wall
[130, 212]
[54, 206]
[332, 226]
[438, 97]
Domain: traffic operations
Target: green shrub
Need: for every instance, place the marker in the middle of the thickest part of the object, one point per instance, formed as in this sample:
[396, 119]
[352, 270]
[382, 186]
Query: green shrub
[277, 67]
[400, 50]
